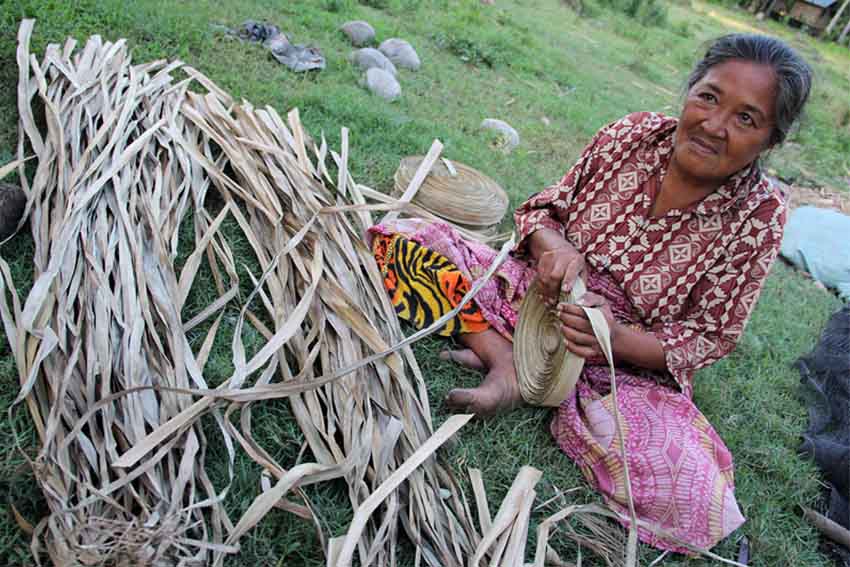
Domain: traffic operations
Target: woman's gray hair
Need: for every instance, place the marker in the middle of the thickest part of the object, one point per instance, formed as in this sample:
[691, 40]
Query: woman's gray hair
[793, 74]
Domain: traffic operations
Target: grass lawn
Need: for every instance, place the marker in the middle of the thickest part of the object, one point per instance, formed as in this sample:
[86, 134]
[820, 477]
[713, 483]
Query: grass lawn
[556, 77]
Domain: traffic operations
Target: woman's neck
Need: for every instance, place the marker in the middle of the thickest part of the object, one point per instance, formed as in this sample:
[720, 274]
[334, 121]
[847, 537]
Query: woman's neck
[678, 191]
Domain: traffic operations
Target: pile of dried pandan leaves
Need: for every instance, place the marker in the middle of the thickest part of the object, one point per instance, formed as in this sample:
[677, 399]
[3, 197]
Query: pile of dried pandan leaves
[125, 154]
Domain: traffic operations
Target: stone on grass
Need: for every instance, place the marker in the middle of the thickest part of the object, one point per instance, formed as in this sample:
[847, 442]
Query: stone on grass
[369, 57]
[400, 53]
[358, 32]
[12, 203]
[509, 137]
[382, 83]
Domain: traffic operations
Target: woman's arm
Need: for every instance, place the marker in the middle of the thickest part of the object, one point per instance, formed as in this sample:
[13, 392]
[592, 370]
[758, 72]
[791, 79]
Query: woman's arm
[638, 348]
[541, 221]
[629, 345]
[713, 318]
[719, 305]
[547, 240]
[542, 225]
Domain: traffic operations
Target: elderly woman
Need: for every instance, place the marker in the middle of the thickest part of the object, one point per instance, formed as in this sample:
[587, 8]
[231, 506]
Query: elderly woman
[675, 228]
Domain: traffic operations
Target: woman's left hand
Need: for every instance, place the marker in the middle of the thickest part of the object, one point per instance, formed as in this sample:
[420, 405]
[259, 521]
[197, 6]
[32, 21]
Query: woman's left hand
[578, 333]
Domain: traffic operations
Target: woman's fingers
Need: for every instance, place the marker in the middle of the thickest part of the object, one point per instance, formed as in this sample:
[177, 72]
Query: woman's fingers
[551, 273]
[557, 270]
[578, 337]
[585, 352]
[572, 271]
[576, 322]
[571, 309]
[590, 299]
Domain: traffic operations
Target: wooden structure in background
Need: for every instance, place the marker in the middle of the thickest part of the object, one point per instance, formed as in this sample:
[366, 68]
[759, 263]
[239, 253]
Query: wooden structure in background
[814, 13]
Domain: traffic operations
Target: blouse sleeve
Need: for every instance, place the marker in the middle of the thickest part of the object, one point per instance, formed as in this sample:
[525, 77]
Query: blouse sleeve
[720, 305]
[548, 209]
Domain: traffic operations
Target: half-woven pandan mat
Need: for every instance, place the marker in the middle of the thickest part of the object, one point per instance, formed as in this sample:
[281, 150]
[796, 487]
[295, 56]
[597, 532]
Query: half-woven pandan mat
[457, 193]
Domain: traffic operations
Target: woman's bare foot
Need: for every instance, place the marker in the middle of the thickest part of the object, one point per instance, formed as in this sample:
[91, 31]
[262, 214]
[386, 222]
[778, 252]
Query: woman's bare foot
[497, 393]
[466, 358]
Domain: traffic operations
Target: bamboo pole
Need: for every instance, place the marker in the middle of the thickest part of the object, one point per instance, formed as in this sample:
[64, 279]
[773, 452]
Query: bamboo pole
[836, 17]
[844, 33]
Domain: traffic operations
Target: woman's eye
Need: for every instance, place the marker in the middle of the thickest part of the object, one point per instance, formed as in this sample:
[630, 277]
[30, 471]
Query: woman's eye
[746, 119]
[708, 97]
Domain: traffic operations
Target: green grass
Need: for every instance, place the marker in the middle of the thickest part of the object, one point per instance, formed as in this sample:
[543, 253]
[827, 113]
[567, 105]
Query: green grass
[521, 61]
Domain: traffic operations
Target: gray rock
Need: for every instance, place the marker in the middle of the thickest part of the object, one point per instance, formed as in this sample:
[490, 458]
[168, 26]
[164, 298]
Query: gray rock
[509, 136]
[12, 203]
[369, 57]
[382, 83]
[400, 53]
[358, 32]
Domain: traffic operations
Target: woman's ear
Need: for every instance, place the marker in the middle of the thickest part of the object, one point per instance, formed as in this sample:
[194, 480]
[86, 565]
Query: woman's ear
[769, 145]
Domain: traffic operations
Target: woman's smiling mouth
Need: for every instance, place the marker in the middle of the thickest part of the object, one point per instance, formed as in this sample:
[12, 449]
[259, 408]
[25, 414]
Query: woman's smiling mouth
[703, 147]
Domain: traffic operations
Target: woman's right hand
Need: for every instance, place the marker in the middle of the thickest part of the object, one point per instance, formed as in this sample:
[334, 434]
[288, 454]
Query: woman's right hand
[557, 270]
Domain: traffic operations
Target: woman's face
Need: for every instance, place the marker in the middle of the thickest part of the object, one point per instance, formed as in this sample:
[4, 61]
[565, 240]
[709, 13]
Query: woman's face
[726, 122]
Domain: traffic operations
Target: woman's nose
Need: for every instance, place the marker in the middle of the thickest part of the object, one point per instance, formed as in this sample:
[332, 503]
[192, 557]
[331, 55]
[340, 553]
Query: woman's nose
[715, 124]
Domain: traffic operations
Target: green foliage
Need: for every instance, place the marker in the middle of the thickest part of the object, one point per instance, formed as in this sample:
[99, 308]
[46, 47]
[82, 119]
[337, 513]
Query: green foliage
[378, 4]
[732, 4]
[647, 12]
[682, 28]
[467, 50]
[391, 6]
[481, 36]
[337, 5]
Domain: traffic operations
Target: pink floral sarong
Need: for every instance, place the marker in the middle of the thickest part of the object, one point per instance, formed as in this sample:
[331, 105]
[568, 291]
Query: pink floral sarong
[681, 471]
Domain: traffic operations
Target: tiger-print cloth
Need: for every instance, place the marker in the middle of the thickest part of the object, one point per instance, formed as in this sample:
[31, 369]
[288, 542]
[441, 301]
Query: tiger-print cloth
[424, 285]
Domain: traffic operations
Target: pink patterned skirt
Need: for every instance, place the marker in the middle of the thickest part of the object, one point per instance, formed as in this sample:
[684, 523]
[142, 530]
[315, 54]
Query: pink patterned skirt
[681, 471]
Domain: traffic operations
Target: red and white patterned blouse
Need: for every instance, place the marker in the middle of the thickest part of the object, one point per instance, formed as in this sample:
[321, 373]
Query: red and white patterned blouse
[692, 276]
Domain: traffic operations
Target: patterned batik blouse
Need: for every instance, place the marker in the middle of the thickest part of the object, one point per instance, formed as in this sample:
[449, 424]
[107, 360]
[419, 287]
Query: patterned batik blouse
[693, 275]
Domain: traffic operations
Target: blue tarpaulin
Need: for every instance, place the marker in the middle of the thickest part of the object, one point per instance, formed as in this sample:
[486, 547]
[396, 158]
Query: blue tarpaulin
[818, 241]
